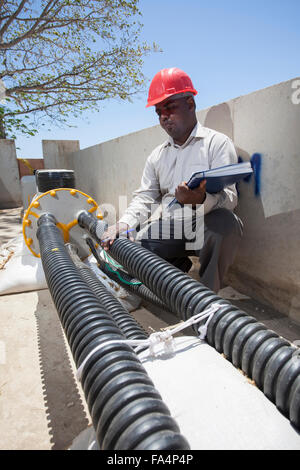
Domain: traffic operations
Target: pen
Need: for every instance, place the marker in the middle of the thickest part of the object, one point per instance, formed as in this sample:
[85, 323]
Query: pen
[122, 233]
[172, 203]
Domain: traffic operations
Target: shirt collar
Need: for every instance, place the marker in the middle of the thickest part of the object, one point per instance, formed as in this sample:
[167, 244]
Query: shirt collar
[197, 133]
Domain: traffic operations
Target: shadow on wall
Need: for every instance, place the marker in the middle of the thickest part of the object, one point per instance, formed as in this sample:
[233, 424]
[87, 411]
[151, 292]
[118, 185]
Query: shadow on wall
[65, 412]
[219, 119]
[7, 200]
[268, 246]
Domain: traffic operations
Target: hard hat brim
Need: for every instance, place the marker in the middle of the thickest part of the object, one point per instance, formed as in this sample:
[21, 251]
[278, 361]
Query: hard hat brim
[169, 95]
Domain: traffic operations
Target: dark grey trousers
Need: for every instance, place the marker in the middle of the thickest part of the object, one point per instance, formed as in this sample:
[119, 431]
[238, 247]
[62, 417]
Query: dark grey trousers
[222, 233]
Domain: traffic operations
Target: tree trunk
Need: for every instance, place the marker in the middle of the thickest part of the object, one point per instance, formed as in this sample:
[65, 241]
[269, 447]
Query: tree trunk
[2, 129]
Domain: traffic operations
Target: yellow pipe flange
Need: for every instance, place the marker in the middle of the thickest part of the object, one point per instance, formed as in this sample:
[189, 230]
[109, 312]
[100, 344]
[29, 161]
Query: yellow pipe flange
[65, 228]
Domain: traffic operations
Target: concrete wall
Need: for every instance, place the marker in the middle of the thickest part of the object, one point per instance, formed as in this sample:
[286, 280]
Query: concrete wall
[10, 189]
[267, 266]
[55, 152]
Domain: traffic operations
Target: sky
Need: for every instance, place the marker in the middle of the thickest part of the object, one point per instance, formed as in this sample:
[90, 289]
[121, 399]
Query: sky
[228, 47]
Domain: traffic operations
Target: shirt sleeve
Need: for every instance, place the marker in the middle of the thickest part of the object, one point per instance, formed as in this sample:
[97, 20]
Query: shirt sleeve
[222, 152]
[146, 196]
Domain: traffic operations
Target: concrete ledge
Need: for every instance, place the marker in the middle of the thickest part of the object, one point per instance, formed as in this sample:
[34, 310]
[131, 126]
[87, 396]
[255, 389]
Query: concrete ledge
[281, 295]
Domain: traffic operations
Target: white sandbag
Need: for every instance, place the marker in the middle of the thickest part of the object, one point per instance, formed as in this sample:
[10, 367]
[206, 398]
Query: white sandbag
[9, 249]
[20, 271]
[129, 301]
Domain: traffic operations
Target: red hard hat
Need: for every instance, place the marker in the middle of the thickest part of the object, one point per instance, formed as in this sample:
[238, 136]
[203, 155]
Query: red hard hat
[169, 82]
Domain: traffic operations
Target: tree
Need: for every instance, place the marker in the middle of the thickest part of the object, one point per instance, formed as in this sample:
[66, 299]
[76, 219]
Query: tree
[60, 56]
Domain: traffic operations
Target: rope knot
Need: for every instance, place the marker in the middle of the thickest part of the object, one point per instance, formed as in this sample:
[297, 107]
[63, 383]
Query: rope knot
[164, 338]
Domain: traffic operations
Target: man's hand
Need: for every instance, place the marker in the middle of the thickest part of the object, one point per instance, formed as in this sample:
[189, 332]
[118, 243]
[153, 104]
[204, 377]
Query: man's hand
[185, 195]
[111, 234]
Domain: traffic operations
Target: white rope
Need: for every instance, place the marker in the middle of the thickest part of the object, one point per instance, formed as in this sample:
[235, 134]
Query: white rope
[164, 338]
[91, 445]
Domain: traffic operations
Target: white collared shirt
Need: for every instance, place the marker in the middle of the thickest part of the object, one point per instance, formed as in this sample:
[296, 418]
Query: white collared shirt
[170, 164]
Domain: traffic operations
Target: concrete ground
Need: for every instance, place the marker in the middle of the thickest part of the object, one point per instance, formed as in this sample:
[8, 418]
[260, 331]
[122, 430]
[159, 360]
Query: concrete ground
[41, 403]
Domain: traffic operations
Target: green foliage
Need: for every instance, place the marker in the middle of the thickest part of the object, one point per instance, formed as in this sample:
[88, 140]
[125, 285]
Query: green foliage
[65, 56]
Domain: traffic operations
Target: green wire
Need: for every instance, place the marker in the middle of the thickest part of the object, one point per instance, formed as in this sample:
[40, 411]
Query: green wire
[136, 283]
[110, 260]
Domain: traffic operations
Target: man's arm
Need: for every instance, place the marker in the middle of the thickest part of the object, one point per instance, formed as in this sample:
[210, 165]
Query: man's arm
[222, 152]
[147, 194]
[139, 208]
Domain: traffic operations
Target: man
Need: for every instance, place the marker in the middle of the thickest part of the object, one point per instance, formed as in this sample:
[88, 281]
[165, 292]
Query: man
[190, 148]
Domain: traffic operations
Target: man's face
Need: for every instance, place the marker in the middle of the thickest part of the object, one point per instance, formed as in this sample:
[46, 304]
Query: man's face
[175, 116]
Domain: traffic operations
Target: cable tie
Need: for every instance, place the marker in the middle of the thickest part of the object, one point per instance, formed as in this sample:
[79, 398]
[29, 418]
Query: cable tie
[164, 338]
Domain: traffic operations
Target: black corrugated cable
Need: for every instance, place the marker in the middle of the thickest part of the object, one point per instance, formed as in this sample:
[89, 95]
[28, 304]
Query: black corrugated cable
[128, 422]
[260, 352]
